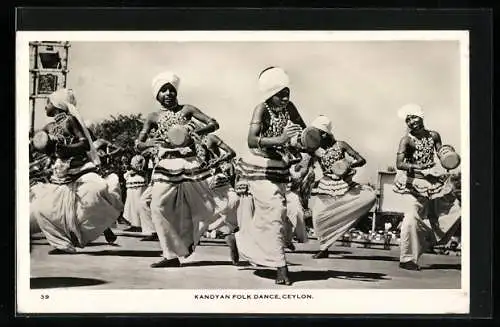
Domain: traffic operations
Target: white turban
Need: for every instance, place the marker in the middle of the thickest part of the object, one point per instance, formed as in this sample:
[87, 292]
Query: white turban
[323, 123]
[410, 109]
[162, 79]
[64, 99]
[272, 81]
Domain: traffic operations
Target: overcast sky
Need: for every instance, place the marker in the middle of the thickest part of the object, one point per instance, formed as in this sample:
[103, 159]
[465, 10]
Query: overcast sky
[359, 85]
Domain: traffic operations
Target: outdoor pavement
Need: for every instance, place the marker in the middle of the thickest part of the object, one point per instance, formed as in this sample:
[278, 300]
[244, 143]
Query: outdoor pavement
[125, 265]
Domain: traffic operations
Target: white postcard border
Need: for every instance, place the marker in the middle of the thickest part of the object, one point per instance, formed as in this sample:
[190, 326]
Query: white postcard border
[329, 301]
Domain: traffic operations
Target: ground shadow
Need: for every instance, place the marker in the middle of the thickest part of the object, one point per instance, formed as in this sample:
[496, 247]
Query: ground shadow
[312, 275]
[125, 253]
[212, 243]
[213, 240]
[316, 251]
[369, 257]
[56, 282]
[129, 234]
[205, 263]
[443, 266]
[102, 243]
[88, 245]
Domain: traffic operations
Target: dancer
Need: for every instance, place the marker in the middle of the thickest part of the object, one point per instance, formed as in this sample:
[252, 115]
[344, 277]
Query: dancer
[108, 170]
[302, 177]
[180, 195]
[433, 212]
[337, 202]
[106, 151]
[151, 156]
[219, 158]
[262, 211]
[39, 176]
[136, 184]
[77, 206]
[147, 226]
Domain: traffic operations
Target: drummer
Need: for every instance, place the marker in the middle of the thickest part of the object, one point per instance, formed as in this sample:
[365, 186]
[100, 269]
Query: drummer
[262, 214]
[110, 171]
[302, 177]
[147, 227]
[78, 205]
[432, 211]
[136, 183]
[179, 201]
[337, 202]
[106, 151]
[219, 158]
[109, 167]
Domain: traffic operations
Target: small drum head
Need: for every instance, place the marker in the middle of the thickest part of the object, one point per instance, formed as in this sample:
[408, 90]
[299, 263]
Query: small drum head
[40, 140]
[311, 138]
[178, 136]
[138, 162]
[340, 167]
[448, 157]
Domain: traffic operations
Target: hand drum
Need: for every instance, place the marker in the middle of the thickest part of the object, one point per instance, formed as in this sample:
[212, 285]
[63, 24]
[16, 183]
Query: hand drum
[41, 140]
[448, 157]
[178, 136]
[340, 167]
[138, 162]
[310, 138]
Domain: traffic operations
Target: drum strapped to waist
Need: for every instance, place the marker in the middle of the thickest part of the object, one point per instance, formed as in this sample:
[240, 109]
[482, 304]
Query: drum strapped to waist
[309, 139]
[41, 140]
[138, 162]
[179, 136]
[340, 167]
[448, 157]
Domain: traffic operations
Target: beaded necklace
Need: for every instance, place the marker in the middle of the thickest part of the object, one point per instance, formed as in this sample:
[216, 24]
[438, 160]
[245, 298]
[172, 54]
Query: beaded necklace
[331, 155]
[57, 130]
[167, 119]
[424, 150]
[277, 123]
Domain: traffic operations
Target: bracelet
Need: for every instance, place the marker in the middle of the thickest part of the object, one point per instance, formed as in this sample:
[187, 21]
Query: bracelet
[258, 142]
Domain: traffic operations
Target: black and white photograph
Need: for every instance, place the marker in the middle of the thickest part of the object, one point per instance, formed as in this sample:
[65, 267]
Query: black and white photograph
[243, 172]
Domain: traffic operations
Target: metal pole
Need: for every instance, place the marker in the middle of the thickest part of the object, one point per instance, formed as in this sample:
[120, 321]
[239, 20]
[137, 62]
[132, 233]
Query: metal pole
[32, 112]
[35, 91]
[377, 201]
[374, 218]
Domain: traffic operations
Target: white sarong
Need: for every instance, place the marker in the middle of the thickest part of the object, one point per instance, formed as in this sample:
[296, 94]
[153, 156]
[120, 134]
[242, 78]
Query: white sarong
[75, 214]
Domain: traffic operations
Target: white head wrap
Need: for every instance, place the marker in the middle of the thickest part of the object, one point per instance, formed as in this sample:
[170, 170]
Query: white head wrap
[322, 123]
[410, 109]
[64, 99]
[272, 81]
[162, 79]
